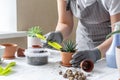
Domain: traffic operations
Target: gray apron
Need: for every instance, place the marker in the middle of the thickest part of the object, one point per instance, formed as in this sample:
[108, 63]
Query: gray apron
[93, 25]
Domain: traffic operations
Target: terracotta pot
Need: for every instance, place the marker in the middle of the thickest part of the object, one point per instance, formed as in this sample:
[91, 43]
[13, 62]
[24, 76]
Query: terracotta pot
[87, 65]
[20, 52]
[36, 46]
[66, 57]
[10, 50]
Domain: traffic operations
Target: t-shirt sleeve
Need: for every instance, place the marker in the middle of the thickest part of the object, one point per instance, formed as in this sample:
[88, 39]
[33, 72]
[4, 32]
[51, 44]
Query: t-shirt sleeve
[112, 6]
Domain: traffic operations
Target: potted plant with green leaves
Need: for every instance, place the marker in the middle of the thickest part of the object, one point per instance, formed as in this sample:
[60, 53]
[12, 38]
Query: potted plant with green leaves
[68, 49]
[33, 41]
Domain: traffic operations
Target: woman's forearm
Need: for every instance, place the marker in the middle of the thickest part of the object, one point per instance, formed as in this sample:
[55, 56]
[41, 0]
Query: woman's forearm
[64, 29]
[105, 46]
[65, 19]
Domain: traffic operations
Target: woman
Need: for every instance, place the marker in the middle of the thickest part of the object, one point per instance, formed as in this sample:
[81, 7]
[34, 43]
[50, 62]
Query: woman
[96, 19]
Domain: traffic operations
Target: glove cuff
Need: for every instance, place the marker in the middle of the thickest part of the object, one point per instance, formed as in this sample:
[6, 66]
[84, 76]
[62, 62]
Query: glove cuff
[60, 35]
[97, 53]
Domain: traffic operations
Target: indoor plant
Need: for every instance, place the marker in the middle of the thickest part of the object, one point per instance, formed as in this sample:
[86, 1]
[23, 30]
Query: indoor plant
[68, 49]
[33, 41]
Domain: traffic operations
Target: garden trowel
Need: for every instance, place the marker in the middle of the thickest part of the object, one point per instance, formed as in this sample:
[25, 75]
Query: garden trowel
[53, 44]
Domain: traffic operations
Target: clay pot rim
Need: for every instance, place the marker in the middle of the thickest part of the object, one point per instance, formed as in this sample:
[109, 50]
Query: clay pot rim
[91, 64]
[9, 44]
[66, 65]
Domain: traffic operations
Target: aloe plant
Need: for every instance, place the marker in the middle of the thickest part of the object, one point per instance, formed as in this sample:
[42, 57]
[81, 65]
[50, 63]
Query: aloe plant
[115, 32]
[68, 46]
[34, 30]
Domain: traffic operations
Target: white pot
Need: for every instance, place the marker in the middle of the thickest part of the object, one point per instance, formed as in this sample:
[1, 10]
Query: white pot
[33, 41]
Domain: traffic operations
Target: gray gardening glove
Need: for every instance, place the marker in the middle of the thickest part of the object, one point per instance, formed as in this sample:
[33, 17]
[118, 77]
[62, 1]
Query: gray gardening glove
[53, 36]
[79, 56]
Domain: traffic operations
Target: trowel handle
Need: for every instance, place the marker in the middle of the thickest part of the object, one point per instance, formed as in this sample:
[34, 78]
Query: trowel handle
[53, 44]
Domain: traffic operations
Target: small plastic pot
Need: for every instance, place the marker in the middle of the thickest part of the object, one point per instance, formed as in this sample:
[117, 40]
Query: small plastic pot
[36, 56]
[87, 65]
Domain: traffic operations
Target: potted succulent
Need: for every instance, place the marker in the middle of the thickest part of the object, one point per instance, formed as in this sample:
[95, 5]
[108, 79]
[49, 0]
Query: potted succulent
[33, 41]
[68, 49]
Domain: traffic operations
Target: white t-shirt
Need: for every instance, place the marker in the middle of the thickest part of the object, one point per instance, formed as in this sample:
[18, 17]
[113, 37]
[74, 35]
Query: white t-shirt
[112, 6]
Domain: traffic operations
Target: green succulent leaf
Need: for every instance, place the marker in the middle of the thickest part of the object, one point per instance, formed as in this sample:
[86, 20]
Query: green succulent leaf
[112, 33]
[34, 30]
[69, 46]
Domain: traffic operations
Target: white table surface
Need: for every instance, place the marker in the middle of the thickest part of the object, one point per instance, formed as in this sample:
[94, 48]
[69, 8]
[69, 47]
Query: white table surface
[50, 71]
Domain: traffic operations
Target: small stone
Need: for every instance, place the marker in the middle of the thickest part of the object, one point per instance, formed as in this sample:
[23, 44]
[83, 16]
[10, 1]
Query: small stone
[81, 73]
[70, 75]
[59, 66]
[80, 78]
[76, 76]
[84, 77]
[76, 73]
[65, 75]
[68, 71]
[89, 75]
[71, 78]
[60, 73]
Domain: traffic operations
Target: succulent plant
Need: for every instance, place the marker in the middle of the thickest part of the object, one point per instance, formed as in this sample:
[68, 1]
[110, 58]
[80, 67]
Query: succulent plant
[68, 46]
[34, 30]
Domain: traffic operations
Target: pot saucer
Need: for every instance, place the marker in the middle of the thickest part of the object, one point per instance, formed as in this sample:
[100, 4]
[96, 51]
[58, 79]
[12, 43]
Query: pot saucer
[66, 65]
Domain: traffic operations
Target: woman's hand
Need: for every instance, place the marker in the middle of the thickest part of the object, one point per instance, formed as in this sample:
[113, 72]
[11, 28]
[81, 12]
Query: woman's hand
[53, 37]
[79, 56]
